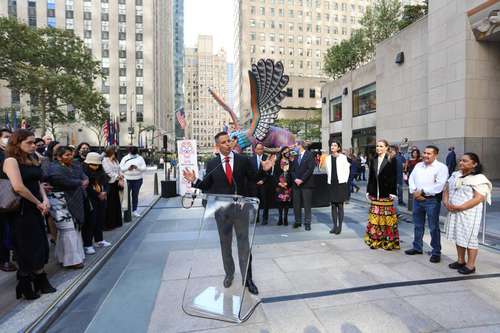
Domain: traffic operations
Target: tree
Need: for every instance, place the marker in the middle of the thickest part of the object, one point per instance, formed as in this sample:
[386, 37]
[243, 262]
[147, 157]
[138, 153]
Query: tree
[94, 114]
[378, 23]
[308, 129]
[53, 66]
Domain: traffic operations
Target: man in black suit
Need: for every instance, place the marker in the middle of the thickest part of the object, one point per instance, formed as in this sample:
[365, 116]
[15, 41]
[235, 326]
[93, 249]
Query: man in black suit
[303, 184]
[263, 184]
[231, 173]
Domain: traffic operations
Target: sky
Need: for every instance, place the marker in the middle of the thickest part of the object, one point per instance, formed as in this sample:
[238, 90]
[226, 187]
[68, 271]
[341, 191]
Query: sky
[210, 17]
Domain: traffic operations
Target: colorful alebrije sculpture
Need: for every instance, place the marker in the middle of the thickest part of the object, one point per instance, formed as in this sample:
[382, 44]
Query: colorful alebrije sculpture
[267, 84]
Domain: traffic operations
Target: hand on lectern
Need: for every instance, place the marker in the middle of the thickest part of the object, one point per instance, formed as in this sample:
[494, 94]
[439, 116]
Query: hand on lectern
[269, 163]
[189, 175]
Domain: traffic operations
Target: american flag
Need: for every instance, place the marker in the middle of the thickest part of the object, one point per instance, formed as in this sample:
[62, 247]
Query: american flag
[181, 117]
[105, 130]
[117, 132]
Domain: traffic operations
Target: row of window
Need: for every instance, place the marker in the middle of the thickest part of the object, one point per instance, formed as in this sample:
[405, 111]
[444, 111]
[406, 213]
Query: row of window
[299, 13]
[308, 27]
[300, 92]
[308, 40]
[309, 3]
[364, 101]
[299, 64]
[290, 51]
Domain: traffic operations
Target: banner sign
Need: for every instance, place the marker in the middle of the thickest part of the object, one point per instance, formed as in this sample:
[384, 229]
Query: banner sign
[187, 159]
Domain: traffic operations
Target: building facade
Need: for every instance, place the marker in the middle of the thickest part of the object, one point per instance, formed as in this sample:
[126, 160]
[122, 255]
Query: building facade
[178, 21]
[296, 32]
[133, 41]
[445, 91]
[203, 70]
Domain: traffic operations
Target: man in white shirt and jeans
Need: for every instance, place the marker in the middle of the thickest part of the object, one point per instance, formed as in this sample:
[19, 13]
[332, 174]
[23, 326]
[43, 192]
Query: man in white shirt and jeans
[133, 167]
[426, 183]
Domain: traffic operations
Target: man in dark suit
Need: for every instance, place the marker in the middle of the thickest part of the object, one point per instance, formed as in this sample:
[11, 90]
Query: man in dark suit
[303, 184]
[231, 173]
[263, 184]
[451, 161]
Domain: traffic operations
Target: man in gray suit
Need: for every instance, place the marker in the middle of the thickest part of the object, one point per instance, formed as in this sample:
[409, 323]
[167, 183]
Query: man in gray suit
[303, 184]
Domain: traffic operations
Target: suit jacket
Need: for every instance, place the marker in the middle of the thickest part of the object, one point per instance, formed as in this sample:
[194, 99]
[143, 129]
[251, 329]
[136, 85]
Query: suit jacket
[304, 170]
[262, 175]
[384, 181]
[451, 160]
[215, 181]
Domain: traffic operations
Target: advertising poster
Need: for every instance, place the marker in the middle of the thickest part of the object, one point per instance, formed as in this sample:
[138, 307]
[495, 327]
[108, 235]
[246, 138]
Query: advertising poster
[188, 159]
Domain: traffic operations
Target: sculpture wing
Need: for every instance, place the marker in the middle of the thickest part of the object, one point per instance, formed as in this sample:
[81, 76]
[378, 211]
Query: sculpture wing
[267, 81]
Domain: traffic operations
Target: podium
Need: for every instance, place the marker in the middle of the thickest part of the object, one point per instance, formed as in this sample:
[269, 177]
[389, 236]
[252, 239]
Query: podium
[223, 248]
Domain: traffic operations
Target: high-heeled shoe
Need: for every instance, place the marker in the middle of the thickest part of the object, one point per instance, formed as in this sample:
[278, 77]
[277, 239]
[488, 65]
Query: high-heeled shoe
[42, 284]
[25, 288]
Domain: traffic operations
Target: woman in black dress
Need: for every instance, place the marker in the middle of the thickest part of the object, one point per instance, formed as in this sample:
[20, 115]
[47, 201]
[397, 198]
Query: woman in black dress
[111, 166]
[337, 169]
[30, 239]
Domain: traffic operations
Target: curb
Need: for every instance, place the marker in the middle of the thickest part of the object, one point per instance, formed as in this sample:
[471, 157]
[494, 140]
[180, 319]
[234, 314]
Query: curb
[47, 318]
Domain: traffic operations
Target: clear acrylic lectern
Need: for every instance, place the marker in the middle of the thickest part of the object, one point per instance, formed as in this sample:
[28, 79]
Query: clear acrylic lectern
[223, 248]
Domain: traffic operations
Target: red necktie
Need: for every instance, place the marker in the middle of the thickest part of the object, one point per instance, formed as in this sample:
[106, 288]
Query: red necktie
[229, 172]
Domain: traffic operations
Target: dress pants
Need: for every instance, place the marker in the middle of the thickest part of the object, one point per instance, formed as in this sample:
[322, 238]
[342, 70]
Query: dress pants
[264, 197]
[302, 197]
[238, 217]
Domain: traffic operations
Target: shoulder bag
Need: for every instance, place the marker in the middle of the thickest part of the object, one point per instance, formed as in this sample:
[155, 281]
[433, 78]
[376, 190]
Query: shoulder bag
[9, 200]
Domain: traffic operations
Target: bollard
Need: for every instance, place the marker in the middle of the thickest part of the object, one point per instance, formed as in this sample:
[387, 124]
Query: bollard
[127, 215]
[156, 184]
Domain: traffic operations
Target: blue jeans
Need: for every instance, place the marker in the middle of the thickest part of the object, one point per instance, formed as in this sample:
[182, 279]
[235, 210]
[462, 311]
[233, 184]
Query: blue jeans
[430, 208]
[134, 186]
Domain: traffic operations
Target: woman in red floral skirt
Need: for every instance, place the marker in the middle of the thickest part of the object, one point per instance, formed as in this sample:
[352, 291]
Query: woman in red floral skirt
[382, 228]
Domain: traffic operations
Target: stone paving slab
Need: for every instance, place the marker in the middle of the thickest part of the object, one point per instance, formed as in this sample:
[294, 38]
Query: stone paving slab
[290, 261]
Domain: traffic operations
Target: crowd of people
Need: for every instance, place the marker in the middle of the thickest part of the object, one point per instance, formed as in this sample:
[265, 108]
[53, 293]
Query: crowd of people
[70, 193]
[432, 184]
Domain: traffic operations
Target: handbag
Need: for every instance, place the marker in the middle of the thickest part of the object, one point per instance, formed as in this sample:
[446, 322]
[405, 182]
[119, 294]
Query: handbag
[9, 200]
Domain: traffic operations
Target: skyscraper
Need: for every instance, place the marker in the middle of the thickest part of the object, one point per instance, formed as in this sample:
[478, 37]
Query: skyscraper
[203, 70]
[132, 39]
[179, 61]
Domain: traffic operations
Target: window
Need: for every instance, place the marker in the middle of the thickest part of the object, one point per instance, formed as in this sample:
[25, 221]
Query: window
[122, 90]
[87, 15]
[301, 93]
[336, 109]
[122, 36]
[138, 19]
[138, 37]
[123, 112]
[69, 14]
[122, 54]
[122, 18]
[104, 53]
[139, 90]
[138, 2]
[364, 100]
[312, 93]
[32, 13]
[122, 72]
[139, 73]
[104, 17]
[104, 35]
[289, 92]
[138, 54]
[87, 34]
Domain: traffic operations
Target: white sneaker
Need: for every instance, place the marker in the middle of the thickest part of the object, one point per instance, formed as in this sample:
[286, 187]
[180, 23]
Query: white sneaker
[89, 250]
[136, 214]
[103, 243]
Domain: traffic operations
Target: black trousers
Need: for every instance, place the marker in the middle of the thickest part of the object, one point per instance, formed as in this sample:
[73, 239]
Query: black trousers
[237, 217]
[92, 228]
[302, 197]
[265, 200]
[5, 239]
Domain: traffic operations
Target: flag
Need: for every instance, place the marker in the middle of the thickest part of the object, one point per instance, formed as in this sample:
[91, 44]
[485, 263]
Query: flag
[117, 131]
[105, 130]
[7, 120]
[14, 121]
[111, 132]
[181, 117]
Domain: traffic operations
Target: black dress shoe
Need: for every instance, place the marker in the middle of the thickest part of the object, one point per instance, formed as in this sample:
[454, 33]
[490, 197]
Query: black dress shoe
[465, 270]
[252, 288]
[435, 258]
[8, 267]
[280, 222]
[264, 222]
[297, 225]
[412, 252]
[332, 231]
[456, 265]
[228, 280]
[308, 227]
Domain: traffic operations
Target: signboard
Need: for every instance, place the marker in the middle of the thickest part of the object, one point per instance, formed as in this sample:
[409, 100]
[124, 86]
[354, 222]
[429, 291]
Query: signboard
[187, 159]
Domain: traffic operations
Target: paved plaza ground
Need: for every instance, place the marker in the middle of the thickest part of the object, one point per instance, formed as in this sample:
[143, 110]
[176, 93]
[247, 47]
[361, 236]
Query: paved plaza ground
[140, 288]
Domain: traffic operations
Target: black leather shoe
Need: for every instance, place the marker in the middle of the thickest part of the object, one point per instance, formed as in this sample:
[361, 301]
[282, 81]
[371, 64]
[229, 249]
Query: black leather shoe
[252, 288]
[280, 222]
[228, 281]
[297, 225]
[412, 252]
[332, 231]
[465, 270]
[456, 265]
[308, 227]
[264, 222]
[435, 258]
[8, 267]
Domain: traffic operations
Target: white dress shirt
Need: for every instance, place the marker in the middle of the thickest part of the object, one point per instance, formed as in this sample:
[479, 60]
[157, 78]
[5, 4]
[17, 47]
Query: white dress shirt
[428, 178]
[231, 161]
[112, 169]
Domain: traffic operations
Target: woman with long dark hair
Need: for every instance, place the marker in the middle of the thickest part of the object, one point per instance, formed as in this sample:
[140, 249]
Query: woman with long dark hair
[116, 185]
[464, 196]
[337, 171]
[283, 185]
[382, 228]
[30, 239]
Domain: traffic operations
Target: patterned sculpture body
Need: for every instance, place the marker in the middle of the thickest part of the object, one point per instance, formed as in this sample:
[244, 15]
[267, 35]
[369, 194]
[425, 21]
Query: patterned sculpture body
[267, 83]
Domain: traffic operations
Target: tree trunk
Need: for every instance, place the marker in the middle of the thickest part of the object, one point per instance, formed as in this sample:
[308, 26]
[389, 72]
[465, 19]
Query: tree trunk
[43, 108]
